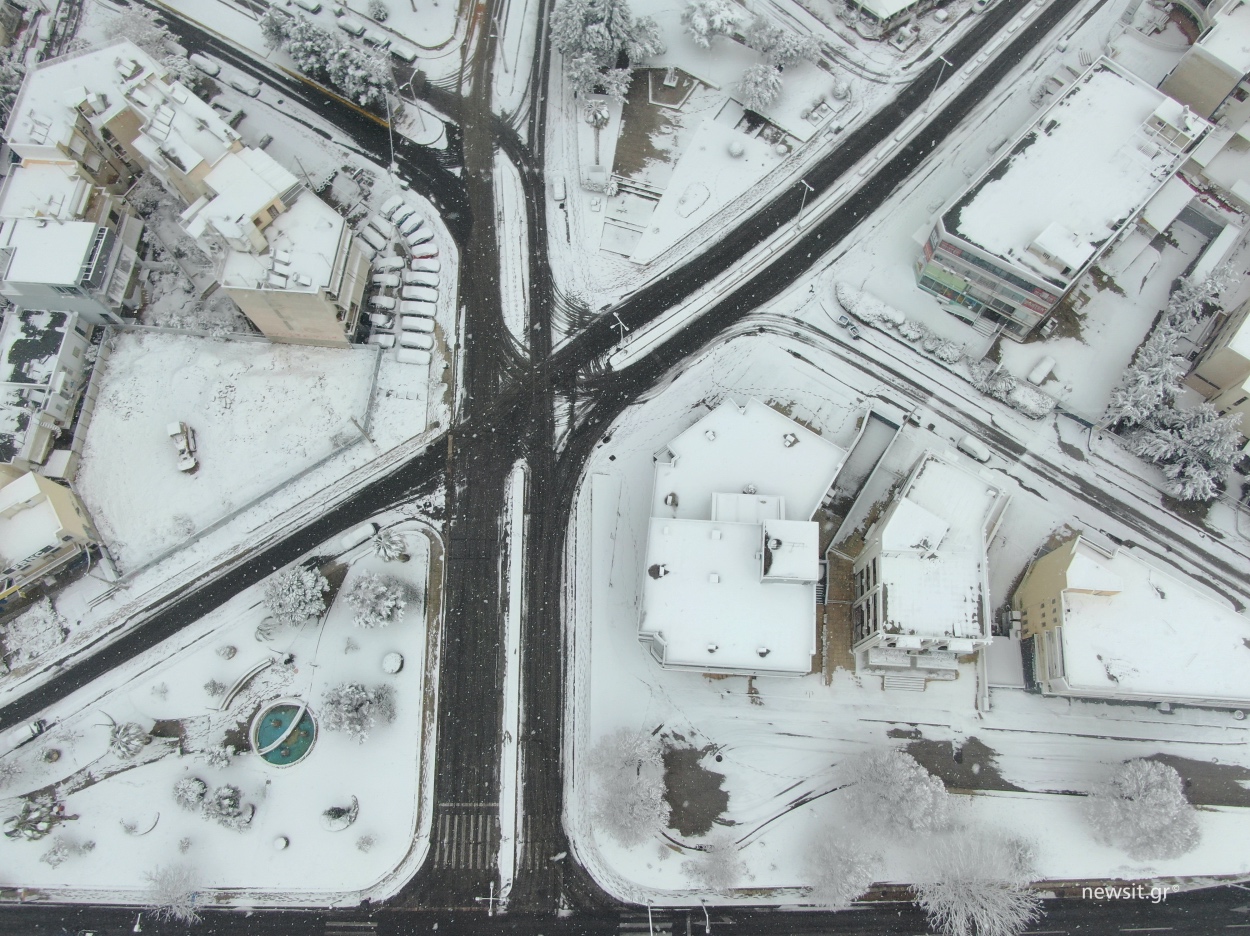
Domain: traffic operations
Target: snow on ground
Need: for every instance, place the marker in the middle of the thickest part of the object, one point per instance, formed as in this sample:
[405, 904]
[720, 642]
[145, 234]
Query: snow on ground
[777, 788]
[512, 234]
[261, 412]
[126, 808]
[510, 793]
[517, 28]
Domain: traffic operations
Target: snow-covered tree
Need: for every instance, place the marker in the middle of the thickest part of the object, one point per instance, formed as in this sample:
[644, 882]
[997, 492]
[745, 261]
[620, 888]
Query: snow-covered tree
[141, 26]
[598, 37]
[364, 77]
[841, 868]
[1195, 446]
[977, 884]
[1141, 809]
[717, 865]
[353, 709]
[1152, 382]
[890, 790]
[274, 28]
[390, 546]
[189, 792]
[293, 596]
[759, 87]
[780, 47]
[173, 894]
[225, 806]
[215, 687]
[379, 11]
[706, 19]
[628, 796]
[12, 71]
[596, 114]
[127, 740]
[378, 601]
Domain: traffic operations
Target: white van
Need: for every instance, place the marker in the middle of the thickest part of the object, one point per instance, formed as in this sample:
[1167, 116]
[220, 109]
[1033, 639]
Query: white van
[419, 294]
[427, 309]
[352, 27]
[410, 339]
[425, 265]
[412, 356]
[412, 278]
[404, 53]
[372, 237]
[204, 64]
[973, 448]
[244, 84]
[382, 302]
[312, 6]
[417, 323]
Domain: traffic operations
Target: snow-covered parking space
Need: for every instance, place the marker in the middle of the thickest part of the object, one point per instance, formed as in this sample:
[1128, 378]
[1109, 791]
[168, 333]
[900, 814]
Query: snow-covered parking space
[347, 821]
[763, 762]
[261, 413]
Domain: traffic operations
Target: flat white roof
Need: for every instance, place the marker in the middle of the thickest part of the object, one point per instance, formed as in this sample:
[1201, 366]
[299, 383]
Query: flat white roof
[933, 552]
[243, 183]
[1086, 165]
[302, 244]
[884, 9]
[1228, 41]
[44, 190]
[791, 550]
[734, 448]
[1158, 636]
[49, 252]
[1167, 203]
[710, 595]
[29, 530]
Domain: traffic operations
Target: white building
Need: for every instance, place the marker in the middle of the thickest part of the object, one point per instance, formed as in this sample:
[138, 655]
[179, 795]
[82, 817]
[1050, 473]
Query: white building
[1012, 244]
[921, 587]
[1110, 625]
[733, 557]
[43, 368]
[1213, 76]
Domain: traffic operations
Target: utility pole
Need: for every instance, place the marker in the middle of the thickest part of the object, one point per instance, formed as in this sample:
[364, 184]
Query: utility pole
[807, 189]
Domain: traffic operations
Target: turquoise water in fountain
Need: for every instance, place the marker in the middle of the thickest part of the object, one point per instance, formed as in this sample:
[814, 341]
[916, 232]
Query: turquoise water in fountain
[275, 723]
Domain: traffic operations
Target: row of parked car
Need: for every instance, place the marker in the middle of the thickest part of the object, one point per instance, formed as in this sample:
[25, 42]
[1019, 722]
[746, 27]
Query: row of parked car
[407, 285]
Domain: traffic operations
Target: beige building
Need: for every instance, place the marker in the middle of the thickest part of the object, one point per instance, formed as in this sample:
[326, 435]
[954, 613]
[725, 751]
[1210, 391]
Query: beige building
[43, 528]
[1211, 78]
[1110, 625]
[1223, 372]
[287, 259]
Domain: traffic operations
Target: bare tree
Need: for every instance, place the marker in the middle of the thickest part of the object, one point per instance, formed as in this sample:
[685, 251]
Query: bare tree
[173, 894]
[891, 791]
[717, 865]
[628, 799]
[1141, 808]
[842, 868]
[977, 884]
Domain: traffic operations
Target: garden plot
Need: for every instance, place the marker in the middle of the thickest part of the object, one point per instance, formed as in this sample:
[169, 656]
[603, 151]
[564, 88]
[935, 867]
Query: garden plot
[763, 763]
[261, 412]
[157, 765]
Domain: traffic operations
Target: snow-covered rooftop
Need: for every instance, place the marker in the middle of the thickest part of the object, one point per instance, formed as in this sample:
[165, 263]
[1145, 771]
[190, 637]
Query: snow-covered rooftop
[98, 85]
[1228, 41]
[244, 183]
[25, 531]
[30, 340]
[1082, 169]
[1156, 636]
[884, 9]
[45, 190]
[42, 251]
[933, 561]
[302, 242]
[737, 449]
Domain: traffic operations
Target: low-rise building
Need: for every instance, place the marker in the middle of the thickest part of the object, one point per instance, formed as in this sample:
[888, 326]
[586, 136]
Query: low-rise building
[287, 259]
[44, 365]
[67, 243]
[1110, 625]
[1012, 244]
[1222, 374]
[1213, 76]
[733, 556]
[43, 528]
[920, 582]
[872, 19]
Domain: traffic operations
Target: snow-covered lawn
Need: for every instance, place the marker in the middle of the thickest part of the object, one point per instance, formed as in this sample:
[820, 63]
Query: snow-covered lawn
[766, 757]
[262, 413]
[197, 695]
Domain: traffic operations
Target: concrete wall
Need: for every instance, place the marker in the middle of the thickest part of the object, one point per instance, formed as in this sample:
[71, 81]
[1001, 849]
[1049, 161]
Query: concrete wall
[297, 317]
[1039, 599]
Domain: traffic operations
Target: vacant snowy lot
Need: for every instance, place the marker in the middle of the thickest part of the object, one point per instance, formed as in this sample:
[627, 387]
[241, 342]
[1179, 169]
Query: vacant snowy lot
[195, 698]
[261, 413]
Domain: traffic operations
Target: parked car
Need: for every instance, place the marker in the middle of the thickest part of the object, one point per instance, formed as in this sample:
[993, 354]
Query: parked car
[973, 448]
[419, 237]
[425, 265]
[419, 294]
[424, 250]
[204, 64]
[420, 340]
[381, 319]
[558, 190]
[412, 356]
[312, 6]
[402, 214]
[382, 341]
[404, 53]
[352, 27]
[386, 280]
[382, 302]
[414, 278]
[391, 205]
[418, 308]
[389, 264]
[244, 84]
[412, 222]
[417, 323]
[372, 237]
[381, 225]
[183, 437]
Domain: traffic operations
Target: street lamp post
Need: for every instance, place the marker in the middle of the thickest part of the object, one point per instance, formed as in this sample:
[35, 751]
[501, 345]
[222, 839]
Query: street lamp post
[941, 68]
[390, 129]
[798, 220]
[707, 920]
[498, 36]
